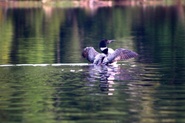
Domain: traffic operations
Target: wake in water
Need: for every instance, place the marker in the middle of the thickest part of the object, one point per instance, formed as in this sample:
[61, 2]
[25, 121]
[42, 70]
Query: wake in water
[43, 65]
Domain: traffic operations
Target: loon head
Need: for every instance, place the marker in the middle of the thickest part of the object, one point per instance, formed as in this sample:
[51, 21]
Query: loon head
[103, 45]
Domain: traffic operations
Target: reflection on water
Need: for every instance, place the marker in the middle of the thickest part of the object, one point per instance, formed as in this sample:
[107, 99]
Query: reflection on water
[57, 35]
[123, 93]
[44, 79]
[104, 74]
[107, 75]
[64, 93]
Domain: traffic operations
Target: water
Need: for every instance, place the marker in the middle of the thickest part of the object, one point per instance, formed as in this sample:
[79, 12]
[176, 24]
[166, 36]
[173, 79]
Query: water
[43, 77]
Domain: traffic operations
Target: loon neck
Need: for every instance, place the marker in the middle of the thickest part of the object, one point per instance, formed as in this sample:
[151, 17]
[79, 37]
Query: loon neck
[104, 50]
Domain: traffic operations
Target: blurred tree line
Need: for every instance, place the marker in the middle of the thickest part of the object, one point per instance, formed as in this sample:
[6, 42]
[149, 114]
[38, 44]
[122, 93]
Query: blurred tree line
[43, 35]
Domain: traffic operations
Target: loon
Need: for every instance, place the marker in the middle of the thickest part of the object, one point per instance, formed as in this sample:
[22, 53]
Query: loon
[108, 55]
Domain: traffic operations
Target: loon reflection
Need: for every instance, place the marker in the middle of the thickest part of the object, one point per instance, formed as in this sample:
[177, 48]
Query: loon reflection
[106, 76]
[108, 55]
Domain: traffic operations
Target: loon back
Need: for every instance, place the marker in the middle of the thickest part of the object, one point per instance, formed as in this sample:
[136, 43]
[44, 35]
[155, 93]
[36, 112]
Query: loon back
[99, 58]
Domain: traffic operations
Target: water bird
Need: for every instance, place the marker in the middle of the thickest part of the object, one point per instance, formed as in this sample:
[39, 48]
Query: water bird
[108, 55]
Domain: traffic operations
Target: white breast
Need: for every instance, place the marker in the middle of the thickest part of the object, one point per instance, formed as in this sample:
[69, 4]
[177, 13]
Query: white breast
[110, 51]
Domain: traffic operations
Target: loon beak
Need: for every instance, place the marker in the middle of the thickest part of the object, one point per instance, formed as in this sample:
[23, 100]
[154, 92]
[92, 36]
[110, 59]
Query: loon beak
[110, 41]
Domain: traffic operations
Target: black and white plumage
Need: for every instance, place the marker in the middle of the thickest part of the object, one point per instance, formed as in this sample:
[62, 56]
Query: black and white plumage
[101, 58]
[103, 46]
[108, 55]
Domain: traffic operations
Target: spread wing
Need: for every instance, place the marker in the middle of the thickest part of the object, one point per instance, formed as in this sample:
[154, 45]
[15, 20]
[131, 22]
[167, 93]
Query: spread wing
[89, 53]
[121, 54]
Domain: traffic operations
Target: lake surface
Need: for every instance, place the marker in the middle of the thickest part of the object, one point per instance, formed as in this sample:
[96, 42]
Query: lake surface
[44, 79]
